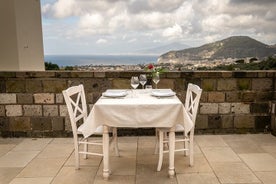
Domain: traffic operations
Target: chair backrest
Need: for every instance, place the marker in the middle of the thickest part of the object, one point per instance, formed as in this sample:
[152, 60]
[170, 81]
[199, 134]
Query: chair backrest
[76, 105]
[192, 100]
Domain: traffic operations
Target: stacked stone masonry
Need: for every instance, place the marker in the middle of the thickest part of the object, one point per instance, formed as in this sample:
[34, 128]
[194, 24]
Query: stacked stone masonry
[31, 103]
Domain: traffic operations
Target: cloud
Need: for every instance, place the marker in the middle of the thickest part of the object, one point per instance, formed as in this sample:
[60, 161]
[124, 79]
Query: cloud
[101, 41]
[189, 21]
[173, 32]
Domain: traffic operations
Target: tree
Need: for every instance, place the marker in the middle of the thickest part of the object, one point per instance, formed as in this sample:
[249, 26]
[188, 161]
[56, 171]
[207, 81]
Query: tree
[51, 66]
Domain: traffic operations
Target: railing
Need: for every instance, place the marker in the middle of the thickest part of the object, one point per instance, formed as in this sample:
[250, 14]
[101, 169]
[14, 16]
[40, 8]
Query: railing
[31, 103]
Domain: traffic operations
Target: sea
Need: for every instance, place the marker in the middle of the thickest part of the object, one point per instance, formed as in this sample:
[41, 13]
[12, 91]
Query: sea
[80, 60]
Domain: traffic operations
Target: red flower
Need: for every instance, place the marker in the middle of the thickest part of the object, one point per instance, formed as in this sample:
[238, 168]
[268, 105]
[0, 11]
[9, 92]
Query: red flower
[150, 66]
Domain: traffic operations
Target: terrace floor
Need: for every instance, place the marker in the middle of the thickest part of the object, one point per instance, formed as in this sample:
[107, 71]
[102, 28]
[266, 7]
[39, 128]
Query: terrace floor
[247, 159]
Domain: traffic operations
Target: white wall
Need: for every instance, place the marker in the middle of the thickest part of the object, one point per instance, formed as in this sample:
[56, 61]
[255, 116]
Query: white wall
[21, 45]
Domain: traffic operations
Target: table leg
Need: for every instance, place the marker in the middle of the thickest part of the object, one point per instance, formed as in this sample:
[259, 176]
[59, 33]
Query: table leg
[171, 152]
[105, 152]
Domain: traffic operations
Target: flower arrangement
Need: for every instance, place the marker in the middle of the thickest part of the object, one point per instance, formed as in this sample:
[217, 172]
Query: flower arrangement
[154, 70]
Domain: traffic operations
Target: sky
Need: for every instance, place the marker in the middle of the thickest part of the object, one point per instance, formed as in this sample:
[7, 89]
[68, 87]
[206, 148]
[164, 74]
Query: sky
[127, 26]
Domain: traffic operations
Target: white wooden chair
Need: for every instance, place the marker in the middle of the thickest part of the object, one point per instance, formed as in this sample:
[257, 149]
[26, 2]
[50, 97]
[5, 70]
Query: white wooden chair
[191, 106]
[77, 109]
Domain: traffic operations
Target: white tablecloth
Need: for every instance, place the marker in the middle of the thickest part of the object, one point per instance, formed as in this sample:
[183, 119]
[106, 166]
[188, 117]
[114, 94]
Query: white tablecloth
[140, 110]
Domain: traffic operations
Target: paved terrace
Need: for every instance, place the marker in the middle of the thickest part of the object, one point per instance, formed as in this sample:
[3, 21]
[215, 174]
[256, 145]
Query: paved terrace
[244, 158]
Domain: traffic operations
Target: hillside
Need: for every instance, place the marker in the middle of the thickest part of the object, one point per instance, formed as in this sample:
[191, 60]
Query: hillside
[164, 48]
[233, 48]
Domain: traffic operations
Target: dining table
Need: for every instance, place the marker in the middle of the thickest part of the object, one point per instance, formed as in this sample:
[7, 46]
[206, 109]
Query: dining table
[141, 108]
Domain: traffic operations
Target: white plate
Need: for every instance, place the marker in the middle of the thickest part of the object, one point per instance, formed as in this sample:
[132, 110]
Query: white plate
[162, 93]
[115, 93]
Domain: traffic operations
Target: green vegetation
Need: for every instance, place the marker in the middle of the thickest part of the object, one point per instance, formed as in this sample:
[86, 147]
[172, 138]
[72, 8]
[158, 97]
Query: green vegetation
[268, 64]
[51, 66]
[69, 68]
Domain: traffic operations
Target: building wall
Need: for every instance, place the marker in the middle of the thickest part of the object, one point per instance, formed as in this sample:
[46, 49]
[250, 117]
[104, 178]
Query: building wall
[31, 103]
[21, 45]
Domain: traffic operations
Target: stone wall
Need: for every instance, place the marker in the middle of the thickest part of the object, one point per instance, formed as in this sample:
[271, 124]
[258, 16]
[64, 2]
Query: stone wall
[31, 103]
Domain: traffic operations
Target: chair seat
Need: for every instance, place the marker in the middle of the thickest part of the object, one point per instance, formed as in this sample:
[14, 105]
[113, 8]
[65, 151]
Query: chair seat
[178, 128]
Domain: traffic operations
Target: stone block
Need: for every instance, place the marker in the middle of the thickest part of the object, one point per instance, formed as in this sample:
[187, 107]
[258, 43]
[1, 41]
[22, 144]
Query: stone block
[44, 98]
[7, 98]
[226, 74]
[121, 83]
[244, 121]
[57, 123]
[227, 121]
[67, 124]
[59, 98]
[63, 110]
[112, 74]
[99, 74]
[4, 124]
[245, 74]
[34, 86]
[201, 122]
[248, 96]
[50, 110]
[263, 84]
[32, 110]
[264, 95]
[261, 74]
[36, 74]
[25, 98]
[216, 97]
[14, 110]
[2, 110]
[259, 108]
[7, 74]
[209, 84]
[19, 124]
[240, 108]
[262, 123]
[15, 86]
[96, 84]
[204, 97]
[41, 123]
[2, 86]
[214, 121]
[227, 84]
[78, 74]
[233, 96]
[244, 84]
[224, 108]
[179, 84]
[173, 75]
[89, 98]
[208, 108]
[54, 86]
[166, 84]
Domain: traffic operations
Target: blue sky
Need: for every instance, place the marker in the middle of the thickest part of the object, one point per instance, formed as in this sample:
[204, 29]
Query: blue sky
[126, 26]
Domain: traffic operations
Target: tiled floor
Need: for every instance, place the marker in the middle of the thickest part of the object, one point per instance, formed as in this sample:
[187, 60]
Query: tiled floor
[245, 159]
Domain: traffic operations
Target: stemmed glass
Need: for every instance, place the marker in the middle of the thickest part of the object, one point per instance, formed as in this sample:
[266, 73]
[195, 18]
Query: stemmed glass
[134, 82]
[156, 79]
[143, 80]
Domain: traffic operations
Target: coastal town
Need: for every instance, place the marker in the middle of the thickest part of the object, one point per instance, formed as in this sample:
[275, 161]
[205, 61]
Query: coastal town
[193, 65]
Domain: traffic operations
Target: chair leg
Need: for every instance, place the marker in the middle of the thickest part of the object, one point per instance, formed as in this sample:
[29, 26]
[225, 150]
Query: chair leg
[160, 161]
[77, 157]
[157, 142]
[85, 149]
[186, 144]
[115, 137]
[191, 150]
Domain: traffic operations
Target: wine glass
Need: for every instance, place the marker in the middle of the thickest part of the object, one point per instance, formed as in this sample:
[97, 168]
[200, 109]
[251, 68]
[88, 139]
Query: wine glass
[156, 79]
[143, 80]
[134, 82]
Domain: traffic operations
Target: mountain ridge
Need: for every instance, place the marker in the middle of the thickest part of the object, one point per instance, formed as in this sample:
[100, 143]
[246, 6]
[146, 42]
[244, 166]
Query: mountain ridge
[234, 47]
